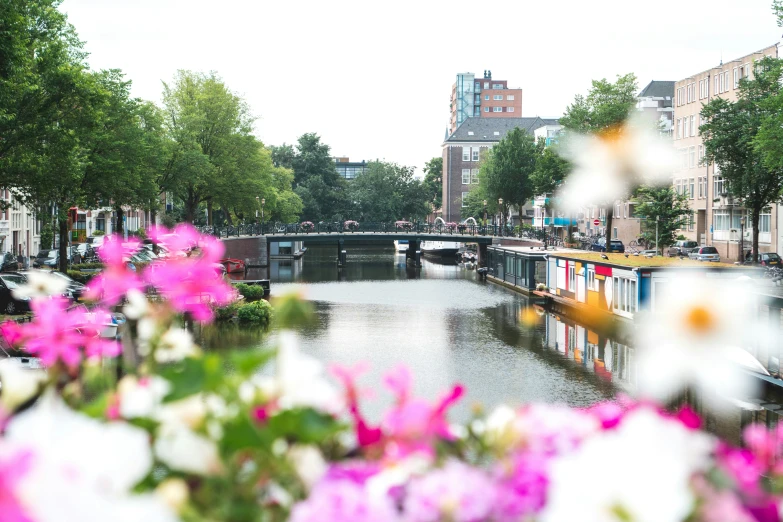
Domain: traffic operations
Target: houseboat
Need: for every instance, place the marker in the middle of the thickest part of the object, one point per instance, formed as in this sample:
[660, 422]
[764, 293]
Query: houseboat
[401, 245]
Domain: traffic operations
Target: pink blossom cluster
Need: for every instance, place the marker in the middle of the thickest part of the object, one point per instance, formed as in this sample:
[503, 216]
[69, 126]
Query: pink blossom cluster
[528, 446]
[58, 333]
[187, 278]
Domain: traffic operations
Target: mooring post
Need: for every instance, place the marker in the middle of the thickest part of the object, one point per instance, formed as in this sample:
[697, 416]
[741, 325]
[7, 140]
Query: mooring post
[340, 253]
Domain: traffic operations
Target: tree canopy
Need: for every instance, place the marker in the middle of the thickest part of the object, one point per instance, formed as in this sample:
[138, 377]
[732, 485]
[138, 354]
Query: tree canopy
[388, 192]
[433, 181]
[667, 208]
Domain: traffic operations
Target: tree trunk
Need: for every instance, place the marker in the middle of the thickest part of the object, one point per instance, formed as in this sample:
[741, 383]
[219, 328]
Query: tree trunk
[119, 229]
[609, 215]
[754, 219]
[209, 212]
[63, 231]
[153, 217]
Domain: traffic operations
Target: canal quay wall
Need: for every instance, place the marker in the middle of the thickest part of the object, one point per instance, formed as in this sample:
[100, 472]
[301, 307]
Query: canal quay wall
[252, 250]
[605, 294]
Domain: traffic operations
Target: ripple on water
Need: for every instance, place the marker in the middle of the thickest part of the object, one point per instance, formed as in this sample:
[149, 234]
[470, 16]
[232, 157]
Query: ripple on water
[433, 294]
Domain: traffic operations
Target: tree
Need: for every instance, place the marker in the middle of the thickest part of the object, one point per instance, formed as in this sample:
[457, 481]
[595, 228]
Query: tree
[507, 170]
[387, 192]
[666, 208]
[743, 139]
[433, 176]
[607, 105]
[551, 171]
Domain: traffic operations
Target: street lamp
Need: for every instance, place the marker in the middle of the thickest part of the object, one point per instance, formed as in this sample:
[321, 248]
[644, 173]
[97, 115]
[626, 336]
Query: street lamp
[256, 209]
[657, 219]
[263, 202]
[485, 216]
[742, 239]
[500, 203]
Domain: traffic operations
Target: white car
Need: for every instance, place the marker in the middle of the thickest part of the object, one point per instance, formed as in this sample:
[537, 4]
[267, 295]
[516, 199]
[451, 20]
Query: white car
[705, 253]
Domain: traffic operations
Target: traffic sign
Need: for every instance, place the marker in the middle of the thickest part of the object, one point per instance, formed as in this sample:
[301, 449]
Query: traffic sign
[596, 222]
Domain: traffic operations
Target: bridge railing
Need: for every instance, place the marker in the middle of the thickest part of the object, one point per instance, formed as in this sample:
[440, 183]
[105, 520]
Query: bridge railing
[297, 229]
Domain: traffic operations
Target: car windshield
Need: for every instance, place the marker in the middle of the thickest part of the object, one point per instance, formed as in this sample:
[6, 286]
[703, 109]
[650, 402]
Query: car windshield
[709, 250]
[689, 244]
[60, 275]
[50, 254]
[13, 281]
[771, 257]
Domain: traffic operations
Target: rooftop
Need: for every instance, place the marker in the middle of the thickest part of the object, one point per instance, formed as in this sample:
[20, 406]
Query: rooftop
[641, 261]
[494, 129]
[658, 89]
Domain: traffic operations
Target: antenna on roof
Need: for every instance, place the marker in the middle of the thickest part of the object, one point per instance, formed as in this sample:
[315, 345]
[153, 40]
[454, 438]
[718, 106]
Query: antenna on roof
[721, 57]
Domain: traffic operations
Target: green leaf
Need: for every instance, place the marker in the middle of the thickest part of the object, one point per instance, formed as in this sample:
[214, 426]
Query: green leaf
[187, 377]
[241, 433]
[246, 363]
[303, 425]
[97, 408]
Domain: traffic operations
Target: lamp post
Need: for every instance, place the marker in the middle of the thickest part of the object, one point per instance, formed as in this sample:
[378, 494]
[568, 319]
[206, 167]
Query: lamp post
[742, 239]
[657, 220]
[256, 209]
[500, 203]
[263, 202]
[485, 216]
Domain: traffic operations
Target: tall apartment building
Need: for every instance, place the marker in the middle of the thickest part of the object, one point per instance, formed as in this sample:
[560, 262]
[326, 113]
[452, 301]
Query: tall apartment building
[473, 97]
[349, 169]
[717, 216]
[464, 149]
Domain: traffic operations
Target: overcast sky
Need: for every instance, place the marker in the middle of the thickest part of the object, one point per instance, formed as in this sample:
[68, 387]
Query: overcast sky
[374, 79]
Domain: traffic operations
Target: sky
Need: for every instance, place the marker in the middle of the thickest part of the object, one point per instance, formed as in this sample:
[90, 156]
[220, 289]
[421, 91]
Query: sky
[374, 79]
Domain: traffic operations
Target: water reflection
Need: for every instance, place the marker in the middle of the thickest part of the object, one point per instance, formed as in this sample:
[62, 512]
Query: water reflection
[448, 327]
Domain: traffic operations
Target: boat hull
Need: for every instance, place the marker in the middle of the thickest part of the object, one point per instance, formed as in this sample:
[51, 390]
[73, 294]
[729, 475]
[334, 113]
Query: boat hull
[440, 248]
[233, 266]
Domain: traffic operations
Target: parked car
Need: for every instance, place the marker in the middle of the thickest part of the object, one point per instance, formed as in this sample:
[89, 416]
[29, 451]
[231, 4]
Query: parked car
[46, 259]
[10, 263]
[73, 291]
[615, 245]
[83, 253]
[770, 259]
[706, 253]
[682, 248]
[8, 303]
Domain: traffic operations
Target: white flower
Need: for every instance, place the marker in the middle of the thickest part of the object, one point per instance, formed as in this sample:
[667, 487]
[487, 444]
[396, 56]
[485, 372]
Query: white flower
[82, 469]
[639, 471]
[40, 284]
[175, 345]
[180, 448]
[141, 398]
[301, 380]
[692, 337]
[609, 164]
[189, 411]
[137, 305]
[18, 384]
[173, 492]
[308, 462]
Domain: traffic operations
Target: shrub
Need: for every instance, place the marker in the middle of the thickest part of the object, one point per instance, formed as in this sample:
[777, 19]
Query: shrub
[257, 312]
[81, 277]
[87, 266]
[96, 233]
[228, 312]
[250, 292]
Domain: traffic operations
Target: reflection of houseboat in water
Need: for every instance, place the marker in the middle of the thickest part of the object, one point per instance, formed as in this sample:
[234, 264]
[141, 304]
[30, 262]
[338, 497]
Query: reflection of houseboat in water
[401, 245]
[286, 250]
[440, 248]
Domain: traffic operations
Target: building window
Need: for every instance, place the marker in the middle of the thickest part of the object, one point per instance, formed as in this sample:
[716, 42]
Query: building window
[478, 86]
[497, 85]
[693, 125]
[693, 188]
[509, 97]
[486, 96]
[720, 220]
[497, 97]
[736, 78]
[497, 109]
[614, 232]
[591, 280]
[486, 109]
[692, 156]
[464, 195]
[679, 128]
[465, 153]
[685, 127]
[475, 153]
[486, 85]
[466, 176]
[765, 219]
[473, 176]
[684, 158]
[701, 188]
[704, 186]
[690, 223]
[746, 72]
[701, 153]
[509, 109]
[717, 186]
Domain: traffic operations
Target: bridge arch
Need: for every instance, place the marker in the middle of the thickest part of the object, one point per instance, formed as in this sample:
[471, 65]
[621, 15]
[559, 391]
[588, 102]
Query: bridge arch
[439, 219]
[470, 221]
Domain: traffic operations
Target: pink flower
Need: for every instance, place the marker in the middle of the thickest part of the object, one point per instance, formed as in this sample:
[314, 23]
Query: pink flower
[180, 239]
[457, 492]
[741, 465]
[343, 501]
[113, 252]
[12, 468]
[765, 444]
[57, 334]
[522, 483]
[116, 279]
[366, 435]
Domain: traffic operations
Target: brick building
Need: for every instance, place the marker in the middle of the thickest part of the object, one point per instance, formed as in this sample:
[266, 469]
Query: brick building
[473, 97]
[464, 149]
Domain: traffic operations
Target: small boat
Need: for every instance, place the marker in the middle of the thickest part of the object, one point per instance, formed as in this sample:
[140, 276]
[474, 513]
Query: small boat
[401, 245]
[440, 248]
[233, 265]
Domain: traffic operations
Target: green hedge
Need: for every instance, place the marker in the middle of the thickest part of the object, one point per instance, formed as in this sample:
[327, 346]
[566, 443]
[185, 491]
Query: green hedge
[227, 313]
[251, 293]
[257, 312]
[86, 266]
[82, 277]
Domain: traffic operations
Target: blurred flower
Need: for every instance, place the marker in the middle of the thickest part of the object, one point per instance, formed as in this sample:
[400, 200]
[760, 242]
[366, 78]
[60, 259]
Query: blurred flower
[136, 305]
[174, 492]
[58, 334]
[609, 164]
[692, 337]
[18, 384]
[647, 478]
[308, 462]
[40, 284]
[343, 501]
[456, 492]
[521, 486]
[82, 469]
[13, 466]
[175, 345]
[141, 397]
[181, 449]
[116, 279]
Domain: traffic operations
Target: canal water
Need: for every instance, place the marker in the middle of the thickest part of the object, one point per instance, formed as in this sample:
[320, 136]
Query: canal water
[450, 327]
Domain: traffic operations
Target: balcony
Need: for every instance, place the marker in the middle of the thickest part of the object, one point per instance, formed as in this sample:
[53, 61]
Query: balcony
[560, 221]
